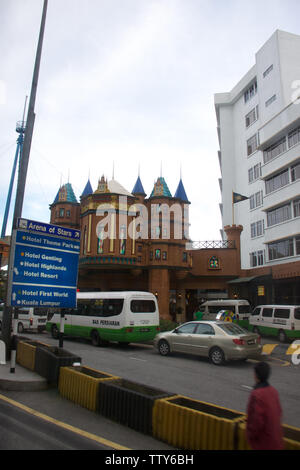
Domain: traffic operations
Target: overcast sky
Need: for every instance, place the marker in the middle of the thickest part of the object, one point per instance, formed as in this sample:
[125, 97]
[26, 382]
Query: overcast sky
[130, 82]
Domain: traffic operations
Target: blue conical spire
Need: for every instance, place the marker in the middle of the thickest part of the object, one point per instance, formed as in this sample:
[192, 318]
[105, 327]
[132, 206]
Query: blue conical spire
[138, 188]
[180, 192]
[87, 190]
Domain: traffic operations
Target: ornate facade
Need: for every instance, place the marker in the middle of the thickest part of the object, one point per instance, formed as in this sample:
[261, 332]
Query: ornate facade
[131, 242]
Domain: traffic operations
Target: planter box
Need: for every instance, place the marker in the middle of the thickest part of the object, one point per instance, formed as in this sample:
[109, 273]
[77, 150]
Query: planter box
[191, 424]
[291, 437]
[48, 361]
[26, 350]
[128, 403]
[26, 354]
[80, 385]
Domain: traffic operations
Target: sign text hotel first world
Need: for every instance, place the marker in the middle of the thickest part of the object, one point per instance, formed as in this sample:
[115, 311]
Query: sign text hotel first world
[44, 265]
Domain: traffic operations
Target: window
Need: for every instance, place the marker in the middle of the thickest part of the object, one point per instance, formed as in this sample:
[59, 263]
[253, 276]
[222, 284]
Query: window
[232, 329]
[189, 328]
[184, 256]
[164, 256]
[274, 150]
[278, 215]
[213, 263]
[257, 229]
[100, 307]
[297, 245]
[256, 200]
[269, 70]
[297, 314]
[282, 313]
[294, 137]
[296, 206]
[278, 181]
[257, 258]
[61, 212]
[281, 249]
[295, 172]
[267, 312]
[251, 117]
[252, 144]
[205, 329]
[142, 306]
[157, 254]
[250, 92]
[271, 100]
[254, 173]
[256, 311]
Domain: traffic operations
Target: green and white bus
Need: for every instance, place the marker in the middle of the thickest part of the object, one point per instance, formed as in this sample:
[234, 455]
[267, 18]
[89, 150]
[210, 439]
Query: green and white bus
[125, 317]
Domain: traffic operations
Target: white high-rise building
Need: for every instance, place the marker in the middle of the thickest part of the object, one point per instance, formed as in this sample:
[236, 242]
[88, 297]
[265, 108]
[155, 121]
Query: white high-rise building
[259, 136]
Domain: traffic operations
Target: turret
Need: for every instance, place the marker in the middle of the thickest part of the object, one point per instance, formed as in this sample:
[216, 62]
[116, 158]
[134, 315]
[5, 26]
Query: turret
[65, 210]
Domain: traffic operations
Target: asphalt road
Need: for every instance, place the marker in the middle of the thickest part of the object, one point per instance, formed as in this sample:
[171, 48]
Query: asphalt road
[193, 377]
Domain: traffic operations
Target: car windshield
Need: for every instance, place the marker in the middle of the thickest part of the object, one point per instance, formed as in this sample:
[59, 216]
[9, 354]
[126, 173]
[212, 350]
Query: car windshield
[232, 329]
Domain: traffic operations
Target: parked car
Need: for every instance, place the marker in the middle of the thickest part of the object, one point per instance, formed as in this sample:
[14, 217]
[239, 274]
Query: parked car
[219, 341]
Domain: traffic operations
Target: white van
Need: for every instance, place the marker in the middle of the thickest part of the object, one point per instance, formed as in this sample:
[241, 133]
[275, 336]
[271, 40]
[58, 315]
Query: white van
[233, 309]
[30, 319]
[282, 321]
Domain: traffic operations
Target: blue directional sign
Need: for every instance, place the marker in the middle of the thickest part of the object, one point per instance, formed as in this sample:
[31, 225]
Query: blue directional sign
[44, 270]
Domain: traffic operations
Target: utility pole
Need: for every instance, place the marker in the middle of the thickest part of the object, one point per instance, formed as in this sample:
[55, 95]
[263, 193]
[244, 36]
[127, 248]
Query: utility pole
[23, 166]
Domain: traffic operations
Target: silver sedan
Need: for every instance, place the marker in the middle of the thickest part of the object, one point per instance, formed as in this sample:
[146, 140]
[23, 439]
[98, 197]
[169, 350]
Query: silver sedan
[219, 341]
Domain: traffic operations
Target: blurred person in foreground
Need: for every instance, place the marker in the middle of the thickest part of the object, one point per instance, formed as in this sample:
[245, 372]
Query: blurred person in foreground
[264, 429]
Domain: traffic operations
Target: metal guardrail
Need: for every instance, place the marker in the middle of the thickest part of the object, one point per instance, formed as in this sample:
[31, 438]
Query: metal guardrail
[215, 244]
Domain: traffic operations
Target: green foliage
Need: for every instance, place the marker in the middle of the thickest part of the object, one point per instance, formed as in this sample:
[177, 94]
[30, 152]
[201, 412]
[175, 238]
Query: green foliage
[167, 325]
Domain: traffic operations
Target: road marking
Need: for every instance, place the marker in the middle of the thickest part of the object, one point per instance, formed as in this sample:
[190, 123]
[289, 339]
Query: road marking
[138, 359]
[281, 361]
[293, 349]
[268, 348]
[81, 432]
[247, 387]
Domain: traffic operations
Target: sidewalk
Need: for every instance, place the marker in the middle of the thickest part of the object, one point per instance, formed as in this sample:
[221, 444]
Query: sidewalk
[21, 380]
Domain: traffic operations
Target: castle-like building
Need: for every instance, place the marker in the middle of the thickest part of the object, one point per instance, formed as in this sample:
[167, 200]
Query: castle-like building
[133, 242]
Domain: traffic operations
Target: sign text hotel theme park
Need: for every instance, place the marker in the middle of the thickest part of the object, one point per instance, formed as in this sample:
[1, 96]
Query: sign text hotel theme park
[44, 267]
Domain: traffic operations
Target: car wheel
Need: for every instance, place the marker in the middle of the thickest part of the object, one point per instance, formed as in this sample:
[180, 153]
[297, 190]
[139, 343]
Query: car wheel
[217, 356]
[20, 328]
[163, 348]
[282, 336]
[54, 332]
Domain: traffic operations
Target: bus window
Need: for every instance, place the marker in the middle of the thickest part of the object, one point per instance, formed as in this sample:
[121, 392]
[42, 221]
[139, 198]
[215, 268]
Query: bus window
[142, 306]
[106, 307]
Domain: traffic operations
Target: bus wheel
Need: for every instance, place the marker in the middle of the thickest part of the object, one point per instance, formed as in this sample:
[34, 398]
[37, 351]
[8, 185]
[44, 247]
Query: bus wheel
[282, 336]
[95, 338]
[256, 330]
[54, 332]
